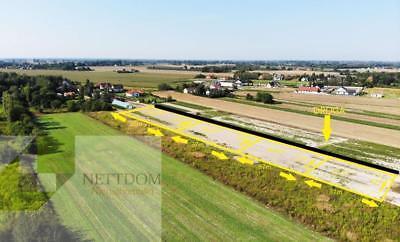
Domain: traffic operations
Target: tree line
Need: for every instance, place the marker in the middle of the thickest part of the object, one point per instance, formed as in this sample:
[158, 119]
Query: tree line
[22, 95]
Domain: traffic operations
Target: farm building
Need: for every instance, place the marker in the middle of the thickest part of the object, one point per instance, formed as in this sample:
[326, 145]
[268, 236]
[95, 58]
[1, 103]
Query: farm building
[121, 104]
[343, 91]
[105, 86]
[189, 90]
[117, 88]
[134, 93]
[309, 90]
[273, 84]
[240, 83]
[221, 84]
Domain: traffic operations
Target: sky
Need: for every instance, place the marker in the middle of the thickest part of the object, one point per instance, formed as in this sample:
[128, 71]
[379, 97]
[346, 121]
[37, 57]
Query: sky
[207, 29]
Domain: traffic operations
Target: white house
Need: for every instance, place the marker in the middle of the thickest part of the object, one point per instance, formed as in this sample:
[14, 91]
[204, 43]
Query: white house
[348, 91]
[228, 84]
[340, 91]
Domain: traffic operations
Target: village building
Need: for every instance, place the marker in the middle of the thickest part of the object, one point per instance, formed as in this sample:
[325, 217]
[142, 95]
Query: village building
[121, 104]
[277, 77]
[215, 84]
[134, 93]
[230, 85]
[117, 88]
[304, 79]
[309, 90]
[273, 84]
[69, 94]
[345, 91]
[105, 86]
[189, 90]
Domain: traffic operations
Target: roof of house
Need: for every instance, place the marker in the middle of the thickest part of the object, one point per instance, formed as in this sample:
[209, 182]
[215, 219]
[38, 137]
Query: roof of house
[309, 89]
[132, 91]
[121, 103]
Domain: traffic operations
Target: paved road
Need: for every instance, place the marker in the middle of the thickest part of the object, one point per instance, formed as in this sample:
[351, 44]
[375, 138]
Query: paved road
[362, 180]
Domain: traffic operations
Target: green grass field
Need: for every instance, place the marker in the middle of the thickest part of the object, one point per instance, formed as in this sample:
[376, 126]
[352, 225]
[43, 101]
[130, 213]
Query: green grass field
[142, 80]
[194, 207]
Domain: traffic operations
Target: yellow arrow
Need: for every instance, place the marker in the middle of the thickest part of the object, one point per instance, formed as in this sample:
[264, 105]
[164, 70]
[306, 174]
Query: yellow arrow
[155, 132]
[219, 155]
[118, 117]
[287, 176]
[327, 127]
[244, 160]
[312, 183]
[370, 203]
[179, 139]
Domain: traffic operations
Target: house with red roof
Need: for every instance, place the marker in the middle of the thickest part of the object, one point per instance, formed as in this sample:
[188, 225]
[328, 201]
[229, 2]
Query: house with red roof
[134, 93]
[309, 90]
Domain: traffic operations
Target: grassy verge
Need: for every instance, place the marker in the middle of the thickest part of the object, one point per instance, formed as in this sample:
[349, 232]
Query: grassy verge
[190, 105]
[333, 212]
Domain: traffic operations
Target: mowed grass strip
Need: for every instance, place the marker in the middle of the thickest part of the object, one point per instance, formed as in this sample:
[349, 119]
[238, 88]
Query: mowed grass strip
[194, 207]
[139, 80]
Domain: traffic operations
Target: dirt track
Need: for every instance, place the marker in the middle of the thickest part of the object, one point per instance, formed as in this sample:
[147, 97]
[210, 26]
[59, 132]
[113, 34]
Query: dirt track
[339, 128]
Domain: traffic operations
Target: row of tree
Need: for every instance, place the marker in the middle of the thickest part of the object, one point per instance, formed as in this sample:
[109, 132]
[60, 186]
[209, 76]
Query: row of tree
[367, 79]
[21, 94]
[263, 97]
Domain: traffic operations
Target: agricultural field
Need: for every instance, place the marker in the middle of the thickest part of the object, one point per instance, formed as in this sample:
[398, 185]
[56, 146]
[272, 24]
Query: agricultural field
[148, 80]
[376, 119]
[191, 201]
[335, 213]
[341, 128]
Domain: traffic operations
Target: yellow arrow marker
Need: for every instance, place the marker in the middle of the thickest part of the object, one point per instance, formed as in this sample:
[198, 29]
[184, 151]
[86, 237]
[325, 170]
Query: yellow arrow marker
[327, 127]
[312, 183]
[118, 117]
[287, 176]
[244, 160]
[370, 203]
[155, 132]
[219, 155]
[179, 139]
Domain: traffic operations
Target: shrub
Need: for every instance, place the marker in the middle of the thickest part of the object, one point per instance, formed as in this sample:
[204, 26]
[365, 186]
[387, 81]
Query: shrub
[164, 87]
[249, 96]
[73, 106]
[264, 97]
